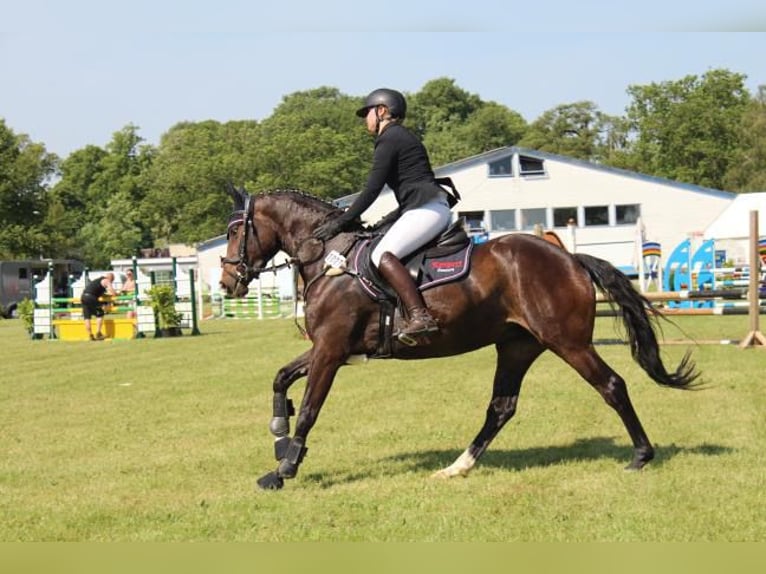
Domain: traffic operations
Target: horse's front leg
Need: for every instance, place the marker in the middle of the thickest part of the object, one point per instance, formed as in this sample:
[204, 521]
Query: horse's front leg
[322, 368]
[283, 407]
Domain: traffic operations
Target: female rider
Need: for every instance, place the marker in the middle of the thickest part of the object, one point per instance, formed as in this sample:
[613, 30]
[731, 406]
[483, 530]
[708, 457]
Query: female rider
[400, 161]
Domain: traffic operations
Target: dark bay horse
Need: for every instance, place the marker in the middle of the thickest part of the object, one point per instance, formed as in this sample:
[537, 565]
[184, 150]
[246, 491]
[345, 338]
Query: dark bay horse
[523, 295]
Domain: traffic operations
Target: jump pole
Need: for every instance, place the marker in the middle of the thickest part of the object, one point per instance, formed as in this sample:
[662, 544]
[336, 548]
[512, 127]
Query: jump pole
[754, 338]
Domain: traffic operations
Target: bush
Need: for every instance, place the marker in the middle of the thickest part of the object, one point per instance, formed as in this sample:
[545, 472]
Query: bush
[163, 302]
[26, 312]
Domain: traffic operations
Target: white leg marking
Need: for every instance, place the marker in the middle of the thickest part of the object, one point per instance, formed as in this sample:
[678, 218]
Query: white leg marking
[461, 467]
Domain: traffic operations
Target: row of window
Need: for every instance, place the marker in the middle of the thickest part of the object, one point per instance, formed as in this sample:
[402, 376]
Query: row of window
[527, 166]
[551, 217]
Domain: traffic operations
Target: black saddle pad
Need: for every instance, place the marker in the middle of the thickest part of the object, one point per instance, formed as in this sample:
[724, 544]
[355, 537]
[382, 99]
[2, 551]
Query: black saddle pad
[446, 259]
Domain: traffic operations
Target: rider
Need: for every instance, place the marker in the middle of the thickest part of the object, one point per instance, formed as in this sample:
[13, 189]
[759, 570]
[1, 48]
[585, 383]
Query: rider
[400, 161]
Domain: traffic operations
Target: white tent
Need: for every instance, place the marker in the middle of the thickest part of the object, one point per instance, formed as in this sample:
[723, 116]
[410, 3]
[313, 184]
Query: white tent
[734, 221]
[731, 229]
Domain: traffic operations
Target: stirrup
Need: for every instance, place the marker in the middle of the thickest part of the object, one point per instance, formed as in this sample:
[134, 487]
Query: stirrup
[419, 338]
[407, 339]
[413, 338]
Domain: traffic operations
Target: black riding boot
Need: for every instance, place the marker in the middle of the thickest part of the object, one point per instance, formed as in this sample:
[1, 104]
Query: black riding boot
[420, 321]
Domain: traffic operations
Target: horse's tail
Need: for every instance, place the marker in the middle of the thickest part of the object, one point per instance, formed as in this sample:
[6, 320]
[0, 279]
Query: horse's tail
[639, 318]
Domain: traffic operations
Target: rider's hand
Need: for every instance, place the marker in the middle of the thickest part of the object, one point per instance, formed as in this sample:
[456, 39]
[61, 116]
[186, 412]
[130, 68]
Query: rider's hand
[329, 229]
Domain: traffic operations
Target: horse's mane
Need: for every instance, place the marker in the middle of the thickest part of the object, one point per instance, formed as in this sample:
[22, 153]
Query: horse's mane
[312, 203]
[302, 198]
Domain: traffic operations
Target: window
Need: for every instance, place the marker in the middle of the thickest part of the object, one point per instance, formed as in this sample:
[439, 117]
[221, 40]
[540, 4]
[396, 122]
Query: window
[503, 220]
[531, 217]
[626, 214]
[562, 215]
[22, 272]
[474, 220]
[597, 215]
[501, 168]
[531, 166]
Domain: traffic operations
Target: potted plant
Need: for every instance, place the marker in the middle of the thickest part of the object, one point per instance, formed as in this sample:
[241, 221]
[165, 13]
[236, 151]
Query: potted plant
[163, 302]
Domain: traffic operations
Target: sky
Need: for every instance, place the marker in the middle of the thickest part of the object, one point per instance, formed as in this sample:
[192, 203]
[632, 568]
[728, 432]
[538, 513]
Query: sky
[73, 73]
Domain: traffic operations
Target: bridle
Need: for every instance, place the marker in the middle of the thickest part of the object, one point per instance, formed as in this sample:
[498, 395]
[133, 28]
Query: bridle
[244, 271]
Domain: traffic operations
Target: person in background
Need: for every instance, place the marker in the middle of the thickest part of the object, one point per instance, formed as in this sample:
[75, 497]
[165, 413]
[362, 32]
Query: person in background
[129, 285]
[91, 306]
[129, 288]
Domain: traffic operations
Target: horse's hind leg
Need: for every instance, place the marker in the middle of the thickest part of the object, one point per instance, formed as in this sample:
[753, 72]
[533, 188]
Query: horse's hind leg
[513, 360]
[611, 387]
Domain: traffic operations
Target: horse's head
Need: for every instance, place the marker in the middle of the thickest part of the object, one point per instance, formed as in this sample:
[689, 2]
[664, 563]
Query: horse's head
[248, 246]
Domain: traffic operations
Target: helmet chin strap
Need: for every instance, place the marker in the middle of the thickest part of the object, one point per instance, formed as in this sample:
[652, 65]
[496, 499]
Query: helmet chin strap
[378, 119]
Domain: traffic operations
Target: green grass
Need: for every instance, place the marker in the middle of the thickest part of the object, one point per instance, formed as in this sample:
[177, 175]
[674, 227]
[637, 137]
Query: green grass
[162, 440]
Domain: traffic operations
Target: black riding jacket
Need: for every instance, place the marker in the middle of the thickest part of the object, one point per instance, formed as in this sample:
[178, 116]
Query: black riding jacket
[401, 161]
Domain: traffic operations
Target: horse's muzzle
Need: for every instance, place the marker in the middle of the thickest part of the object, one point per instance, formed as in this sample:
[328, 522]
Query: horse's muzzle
[237, 289]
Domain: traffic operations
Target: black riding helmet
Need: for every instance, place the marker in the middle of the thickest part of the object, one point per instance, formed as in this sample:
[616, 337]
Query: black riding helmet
[392, 99]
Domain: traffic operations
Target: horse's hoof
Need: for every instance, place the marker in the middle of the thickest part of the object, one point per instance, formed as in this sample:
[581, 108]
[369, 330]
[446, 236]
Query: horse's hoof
[271, 481]
[636, 465]
[640, 460]
[447, 473]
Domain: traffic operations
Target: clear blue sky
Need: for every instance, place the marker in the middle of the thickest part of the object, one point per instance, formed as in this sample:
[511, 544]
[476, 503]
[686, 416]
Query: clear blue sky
[74, 72]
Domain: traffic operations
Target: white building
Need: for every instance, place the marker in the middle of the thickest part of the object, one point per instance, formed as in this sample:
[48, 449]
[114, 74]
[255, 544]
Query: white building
[512, 189]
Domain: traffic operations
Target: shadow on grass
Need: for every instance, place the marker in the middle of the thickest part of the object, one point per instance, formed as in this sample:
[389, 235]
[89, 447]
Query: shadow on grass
[588, 449]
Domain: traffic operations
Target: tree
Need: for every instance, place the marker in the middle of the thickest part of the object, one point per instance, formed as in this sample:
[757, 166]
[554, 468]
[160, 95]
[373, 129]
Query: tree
[455, 124]
[69, 201]
[25, 172]
[438, 105]
[578, 130]
[186, 200]
[313, 141]
[94, 209]
[436, 113]
[491, 126]
[747, 170]
[688, 130]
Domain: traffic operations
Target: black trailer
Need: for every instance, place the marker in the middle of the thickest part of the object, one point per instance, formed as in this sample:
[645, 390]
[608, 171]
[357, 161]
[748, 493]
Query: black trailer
[17, 279]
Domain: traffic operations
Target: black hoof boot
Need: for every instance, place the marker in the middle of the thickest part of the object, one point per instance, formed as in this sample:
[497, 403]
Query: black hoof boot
[270, 481]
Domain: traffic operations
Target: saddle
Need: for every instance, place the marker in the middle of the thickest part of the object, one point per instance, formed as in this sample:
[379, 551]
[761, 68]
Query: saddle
[444, 259]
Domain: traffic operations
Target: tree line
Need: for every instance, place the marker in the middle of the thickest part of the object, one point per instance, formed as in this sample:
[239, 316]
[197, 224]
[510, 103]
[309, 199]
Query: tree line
[102, 203]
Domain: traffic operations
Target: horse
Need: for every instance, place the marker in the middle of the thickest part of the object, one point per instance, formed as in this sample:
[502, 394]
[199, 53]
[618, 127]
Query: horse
[523, 294]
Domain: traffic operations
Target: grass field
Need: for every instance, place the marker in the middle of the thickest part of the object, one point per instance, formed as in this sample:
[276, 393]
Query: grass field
[162, 440]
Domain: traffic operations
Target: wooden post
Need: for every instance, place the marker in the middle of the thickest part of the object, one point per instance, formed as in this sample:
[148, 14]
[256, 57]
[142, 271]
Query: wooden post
[754, 338]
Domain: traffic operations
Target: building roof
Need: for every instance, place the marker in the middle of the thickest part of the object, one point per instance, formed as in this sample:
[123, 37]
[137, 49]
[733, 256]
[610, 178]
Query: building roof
[213, 242]
[499, 153]
[734, 221]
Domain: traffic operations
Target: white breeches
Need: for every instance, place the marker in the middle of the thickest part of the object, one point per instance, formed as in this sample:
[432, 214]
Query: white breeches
[414, 228]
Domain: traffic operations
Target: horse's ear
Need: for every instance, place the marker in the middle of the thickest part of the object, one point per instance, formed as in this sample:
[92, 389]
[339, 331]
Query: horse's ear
[238, 195]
